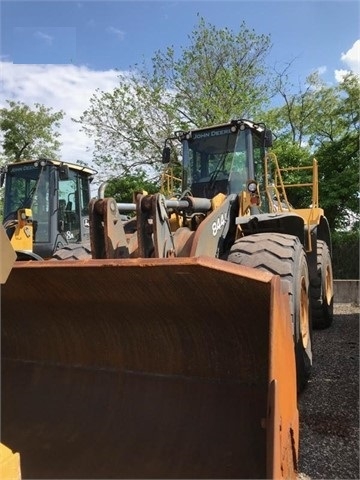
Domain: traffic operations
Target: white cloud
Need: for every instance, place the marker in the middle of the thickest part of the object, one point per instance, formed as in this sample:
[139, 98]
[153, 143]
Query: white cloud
[120, 34]
[351, 59]
[322, 70]
[48, 39]
[340, 74]
[60, 87]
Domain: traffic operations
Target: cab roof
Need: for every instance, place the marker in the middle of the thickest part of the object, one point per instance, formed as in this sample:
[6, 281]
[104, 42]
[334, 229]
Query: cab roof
[72, 166]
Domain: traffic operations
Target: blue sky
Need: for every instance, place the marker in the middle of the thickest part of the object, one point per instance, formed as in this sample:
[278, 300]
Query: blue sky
[59, 52]
[104, 35]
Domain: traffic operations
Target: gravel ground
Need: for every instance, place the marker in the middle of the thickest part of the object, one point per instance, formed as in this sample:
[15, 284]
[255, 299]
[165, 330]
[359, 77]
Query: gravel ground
[329, 406]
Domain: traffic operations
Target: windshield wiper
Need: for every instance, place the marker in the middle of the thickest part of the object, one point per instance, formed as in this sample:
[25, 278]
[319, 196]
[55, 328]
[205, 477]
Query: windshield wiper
[219, 168]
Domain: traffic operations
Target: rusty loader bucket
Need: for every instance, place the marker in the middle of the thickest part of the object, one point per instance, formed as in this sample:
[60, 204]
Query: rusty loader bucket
[9, 461]
[148, 368]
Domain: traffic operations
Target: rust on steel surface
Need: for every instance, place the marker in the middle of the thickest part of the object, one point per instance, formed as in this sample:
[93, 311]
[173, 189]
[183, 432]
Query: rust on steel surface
[139, 369]
[283, 420]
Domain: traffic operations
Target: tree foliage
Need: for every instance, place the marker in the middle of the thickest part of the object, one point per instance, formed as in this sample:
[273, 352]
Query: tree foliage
[29, 133]
[123, 188]
[220, 74]
[346, 253]
[128, 126]
[299, 104]
[324, 121]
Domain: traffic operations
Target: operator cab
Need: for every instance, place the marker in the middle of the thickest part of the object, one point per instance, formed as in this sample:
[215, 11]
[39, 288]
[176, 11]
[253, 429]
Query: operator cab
[223, 159]
[58, 195]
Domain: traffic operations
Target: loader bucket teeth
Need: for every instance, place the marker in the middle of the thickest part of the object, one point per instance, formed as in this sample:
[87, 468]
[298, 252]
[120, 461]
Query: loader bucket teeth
[148, 368]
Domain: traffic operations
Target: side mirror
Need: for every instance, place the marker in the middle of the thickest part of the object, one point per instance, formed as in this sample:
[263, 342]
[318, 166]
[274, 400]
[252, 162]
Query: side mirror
[166, 153]
[2, 178]
[268, 138]
[63, 172]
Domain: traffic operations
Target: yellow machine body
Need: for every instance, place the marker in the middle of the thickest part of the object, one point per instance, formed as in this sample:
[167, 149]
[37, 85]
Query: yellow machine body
[22, 239]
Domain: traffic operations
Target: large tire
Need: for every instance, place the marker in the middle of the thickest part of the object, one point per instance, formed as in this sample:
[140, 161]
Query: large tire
[284, 255]
[322, 289]
[73, 251]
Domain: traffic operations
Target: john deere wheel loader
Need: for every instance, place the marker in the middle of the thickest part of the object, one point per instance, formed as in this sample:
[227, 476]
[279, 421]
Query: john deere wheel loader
[177, 350]
[46, 207]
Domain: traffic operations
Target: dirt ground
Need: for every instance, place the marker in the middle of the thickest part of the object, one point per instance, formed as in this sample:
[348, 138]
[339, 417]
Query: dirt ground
[329, 406]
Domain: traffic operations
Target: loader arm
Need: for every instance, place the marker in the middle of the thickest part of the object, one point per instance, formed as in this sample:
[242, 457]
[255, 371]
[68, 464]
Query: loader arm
[154, 235]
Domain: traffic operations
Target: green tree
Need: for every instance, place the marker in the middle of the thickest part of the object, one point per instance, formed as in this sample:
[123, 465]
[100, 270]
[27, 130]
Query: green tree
[299, 104]
[28, 133]
[339, 180]
[291, 154]
[324, 121]
[218, 75]
[128, 126]
[123, 188]
[334, 138]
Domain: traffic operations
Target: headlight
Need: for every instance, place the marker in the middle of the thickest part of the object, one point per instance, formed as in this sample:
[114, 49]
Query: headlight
[40, 162]
[252, 186]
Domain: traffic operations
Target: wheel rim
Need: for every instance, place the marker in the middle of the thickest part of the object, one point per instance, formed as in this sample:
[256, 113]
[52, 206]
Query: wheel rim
[304, 314]
[328, 285]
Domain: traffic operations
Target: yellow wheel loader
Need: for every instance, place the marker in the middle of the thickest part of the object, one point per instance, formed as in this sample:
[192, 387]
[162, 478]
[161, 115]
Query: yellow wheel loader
[176, 350]
[46, 206]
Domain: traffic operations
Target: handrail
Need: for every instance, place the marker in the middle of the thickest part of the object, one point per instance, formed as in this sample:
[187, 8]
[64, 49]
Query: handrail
[278, 188]
[314, 184]
[276, 191]
[168, 180]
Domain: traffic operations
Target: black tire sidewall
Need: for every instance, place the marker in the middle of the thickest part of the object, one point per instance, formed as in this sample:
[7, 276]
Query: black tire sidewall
[322, 309]
[297, 270]
[303, 354]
